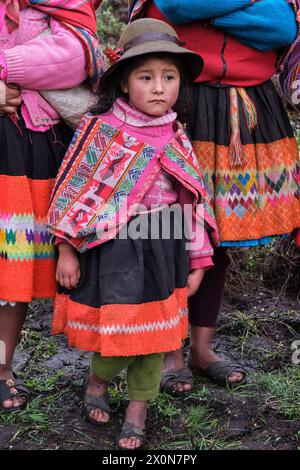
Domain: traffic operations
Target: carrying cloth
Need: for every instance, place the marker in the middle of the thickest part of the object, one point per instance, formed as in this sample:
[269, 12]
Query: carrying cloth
[289, 65]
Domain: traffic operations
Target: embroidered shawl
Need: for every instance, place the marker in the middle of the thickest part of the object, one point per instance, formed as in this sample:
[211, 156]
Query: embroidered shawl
[104, 177]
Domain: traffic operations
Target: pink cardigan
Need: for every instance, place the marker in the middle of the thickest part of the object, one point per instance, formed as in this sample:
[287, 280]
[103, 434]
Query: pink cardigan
[41, 54]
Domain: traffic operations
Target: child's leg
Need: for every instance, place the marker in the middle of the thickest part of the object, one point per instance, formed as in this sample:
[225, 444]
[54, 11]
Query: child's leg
[104, 370]
[143, 378]
[11, 323]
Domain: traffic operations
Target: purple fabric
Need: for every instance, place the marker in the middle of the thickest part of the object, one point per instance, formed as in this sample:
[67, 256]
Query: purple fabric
[290, 65]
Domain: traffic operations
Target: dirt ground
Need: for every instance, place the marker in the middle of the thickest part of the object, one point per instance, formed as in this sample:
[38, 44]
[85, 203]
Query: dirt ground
[258, 330]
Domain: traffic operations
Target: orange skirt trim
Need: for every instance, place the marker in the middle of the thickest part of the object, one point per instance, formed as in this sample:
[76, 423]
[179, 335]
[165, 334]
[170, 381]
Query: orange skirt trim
[124, 330]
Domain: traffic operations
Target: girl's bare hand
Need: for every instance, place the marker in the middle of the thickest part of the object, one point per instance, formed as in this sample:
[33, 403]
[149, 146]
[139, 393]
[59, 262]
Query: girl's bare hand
[194, 280]
[68, 268]
[12, 99]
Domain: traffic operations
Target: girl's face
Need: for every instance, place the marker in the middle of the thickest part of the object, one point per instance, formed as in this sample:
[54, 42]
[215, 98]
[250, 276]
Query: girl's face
[153, 87]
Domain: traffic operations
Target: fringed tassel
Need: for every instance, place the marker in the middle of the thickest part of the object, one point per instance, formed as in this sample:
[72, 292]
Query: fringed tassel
[248, 108]
[14, 117]
[236, 151]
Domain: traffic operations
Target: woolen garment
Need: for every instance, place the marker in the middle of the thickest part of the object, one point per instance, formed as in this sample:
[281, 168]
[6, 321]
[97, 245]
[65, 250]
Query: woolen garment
[263, 25]
[226, 60]
[131, 298]
[56, 60]
[28, 165]
[258, 198]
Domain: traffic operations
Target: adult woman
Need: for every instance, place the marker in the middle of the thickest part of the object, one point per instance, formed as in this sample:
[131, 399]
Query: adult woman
[44, 45]
[244, 144]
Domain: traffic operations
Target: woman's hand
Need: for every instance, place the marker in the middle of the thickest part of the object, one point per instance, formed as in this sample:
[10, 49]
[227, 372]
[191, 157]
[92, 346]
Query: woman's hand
[68, 268]
[12, 99]
[194, 280]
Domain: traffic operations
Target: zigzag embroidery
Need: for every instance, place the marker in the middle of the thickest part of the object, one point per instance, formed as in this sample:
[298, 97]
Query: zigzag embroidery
[24, 238]
[144, 327]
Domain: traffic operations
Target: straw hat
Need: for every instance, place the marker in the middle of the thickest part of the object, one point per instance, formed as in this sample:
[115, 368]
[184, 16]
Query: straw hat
[147, 36]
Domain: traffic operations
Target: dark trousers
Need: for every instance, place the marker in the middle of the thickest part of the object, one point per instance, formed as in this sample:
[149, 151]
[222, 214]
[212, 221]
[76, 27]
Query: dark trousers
[204, 306]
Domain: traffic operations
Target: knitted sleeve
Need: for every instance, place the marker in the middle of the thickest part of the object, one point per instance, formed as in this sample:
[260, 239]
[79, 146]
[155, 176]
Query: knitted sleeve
[184, 11]
[47, 62]
[200, 247]
[265, 26]
[3, 67]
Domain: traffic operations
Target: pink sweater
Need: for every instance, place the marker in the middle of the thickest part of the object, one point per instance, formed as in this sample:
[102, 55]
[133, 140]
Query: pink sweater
[41, 54]
[157, 132]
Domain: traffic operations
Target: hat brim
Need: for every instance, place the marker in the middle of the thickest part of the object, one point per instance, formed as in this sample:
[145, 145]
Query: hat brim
[192, 61]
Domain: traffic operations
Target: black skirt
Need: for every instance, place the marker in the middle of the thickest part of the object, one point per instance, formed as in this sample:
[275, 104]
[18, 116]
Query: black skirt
[131, 298]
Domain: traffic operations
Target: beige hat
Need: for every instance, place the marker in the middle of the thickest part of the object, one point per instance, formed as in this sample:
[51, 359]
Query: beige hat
[146, 36]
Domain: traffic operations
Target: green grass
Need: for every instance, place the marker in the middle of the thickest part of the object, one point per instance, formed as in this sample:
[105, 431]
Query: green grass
[44, 384]
[199, 420]
[108, 25]
[282, 389]
[255, 324]
[34, 416]
[165, 407]
[42, 347]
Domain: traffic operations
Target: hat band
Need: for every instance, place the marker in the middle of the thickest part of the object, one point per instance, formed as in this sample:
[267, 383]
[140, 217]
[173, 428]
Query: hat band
[147, 37]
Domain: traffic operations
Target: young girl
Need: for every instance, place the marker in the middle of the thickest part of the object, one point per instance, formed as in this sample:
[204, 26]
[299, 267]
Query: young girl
[43, 46]
[125, 297]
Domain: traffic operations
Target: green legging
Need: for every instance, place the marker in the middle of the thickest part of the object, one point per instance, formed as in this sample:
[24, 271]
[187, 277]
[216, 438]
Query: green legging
[143, 373]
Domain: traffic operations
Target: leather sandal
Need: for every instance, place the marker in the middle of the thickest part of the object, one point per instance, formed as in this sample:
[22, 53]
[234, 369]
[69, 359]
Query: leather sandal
[13, 388]
[90, 402]
[131, 430]
[173, 377]
[220, 372]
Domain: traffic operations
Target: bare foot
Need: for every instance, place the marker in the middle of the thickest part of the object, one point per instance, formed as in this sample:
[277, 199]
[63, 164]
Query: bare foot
[136, 414]
[95, 388]
[174, 360]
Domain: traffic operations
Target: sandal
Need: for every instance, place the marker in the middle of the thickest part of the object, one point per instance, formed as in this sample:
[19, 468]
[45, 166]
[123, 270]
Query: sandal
[6, 392]
[220, 371]
[169, 379]
[90, 402]
[131, 430]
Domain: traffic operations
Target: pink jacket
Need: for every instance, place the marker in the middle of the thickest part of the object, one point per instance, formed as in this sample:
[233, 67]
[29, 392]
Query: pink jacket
[41, 54]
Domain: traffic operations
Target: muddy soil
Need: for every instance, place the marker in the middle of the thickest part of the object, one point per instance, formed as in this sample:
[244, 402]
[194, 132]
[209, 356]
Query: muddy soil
[249, 418]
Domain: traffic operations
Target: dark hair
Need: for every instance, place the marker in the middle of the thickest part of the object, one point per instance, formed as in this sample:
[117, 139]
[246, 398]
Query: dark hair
[110, 90]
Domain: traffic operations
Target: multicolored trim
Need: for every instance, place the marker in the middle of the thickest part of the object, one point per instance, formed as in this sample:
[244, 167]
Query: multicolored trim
[23, 237]
[258, 199]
